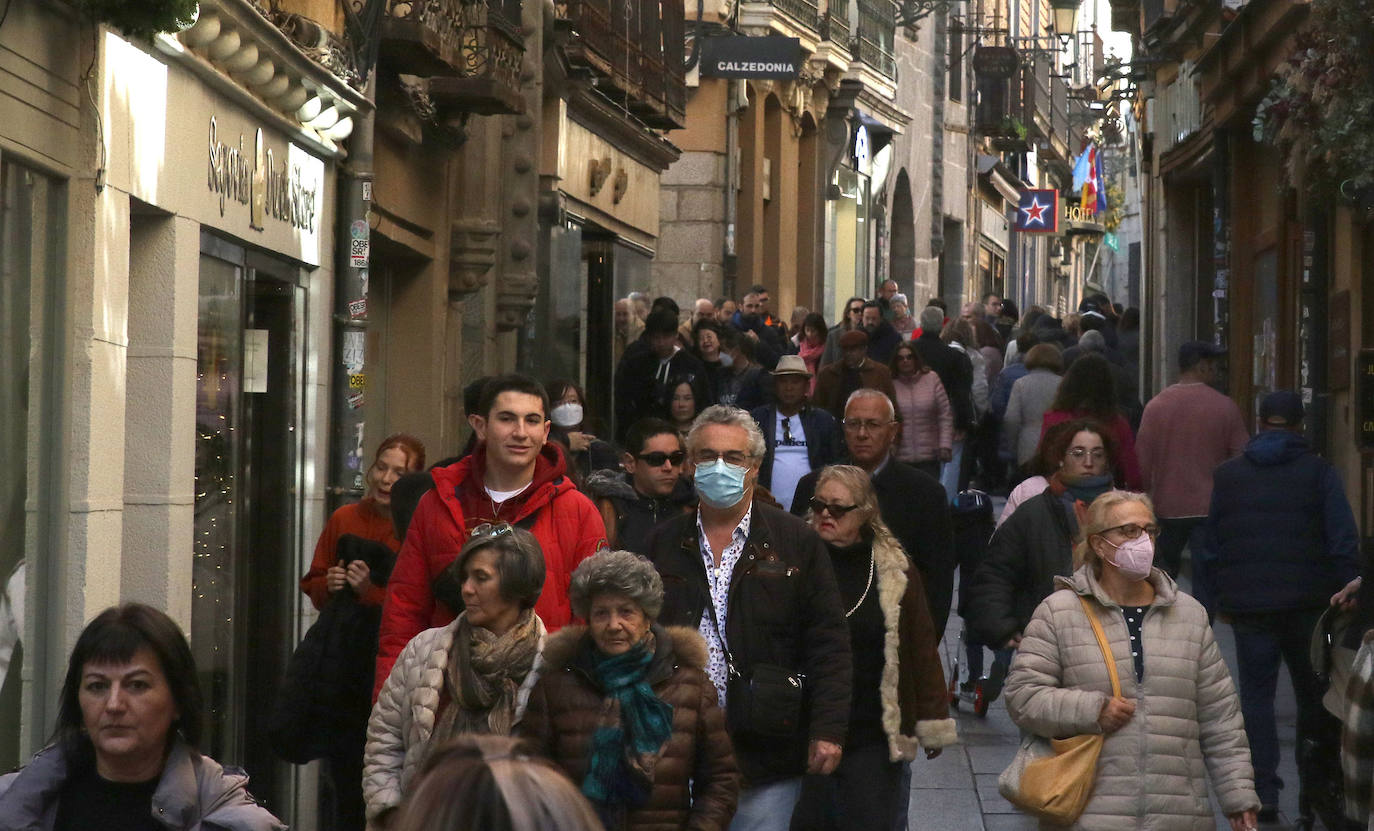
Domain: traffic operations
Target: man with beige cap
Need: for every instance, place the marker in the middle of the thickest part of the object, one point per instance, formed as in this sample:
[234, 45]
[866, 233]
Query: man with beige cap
[799, 438]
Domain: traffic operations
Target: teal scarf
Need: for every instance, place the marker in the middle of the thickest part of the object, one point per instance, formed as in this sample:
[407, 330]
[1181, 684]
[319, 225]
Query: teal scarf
[635, 726]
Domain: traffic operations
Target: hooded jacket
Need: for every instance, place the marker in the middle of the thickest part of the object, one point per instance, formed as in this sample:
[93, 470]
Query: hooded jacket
[402, 722]
[696, 780]
[1280, 527]
[1187, 727]
[628, 514]
[194, 793]
[565, 522]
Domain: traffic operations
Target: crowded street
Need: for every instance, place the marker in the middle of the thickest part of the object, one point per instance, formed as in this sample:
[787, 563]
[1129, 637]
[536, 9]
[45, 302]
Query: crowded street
[647, 415]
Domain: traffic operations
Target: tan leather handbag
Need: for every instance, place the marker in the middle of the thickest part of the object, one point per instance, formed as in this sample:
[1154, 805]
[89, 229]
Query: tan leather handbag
[1053, 778]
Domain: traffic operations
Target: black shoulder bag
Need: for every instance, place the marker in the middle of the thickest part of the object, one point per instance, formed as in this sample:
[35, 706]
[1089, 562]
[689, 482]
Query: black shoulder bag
[764, 701]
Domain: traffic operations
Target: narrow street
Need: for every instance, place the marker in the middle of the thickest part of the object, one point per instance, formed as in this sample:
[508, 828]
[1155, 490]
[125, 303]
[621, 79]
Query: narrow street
[961, 785]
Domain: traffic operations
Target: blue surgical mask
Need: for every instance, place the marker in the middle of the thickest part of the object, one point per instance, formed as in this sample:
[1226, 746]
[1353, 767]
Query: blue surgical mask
[720, 484]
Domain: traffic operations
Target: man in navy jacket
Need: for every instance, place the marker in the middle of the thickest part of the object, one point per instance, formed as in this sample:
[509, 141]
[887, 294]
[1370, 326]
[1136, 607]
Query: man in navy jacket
[1285, 542]
[793, 432]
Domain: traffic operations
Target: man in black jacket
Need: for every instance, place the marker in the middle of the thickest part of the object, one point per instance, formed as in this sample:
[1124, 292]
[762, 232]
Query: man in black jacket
[799, 438]
[648, 491]
[645, 377]
[910, 502]
[954, 367]
[758, 585]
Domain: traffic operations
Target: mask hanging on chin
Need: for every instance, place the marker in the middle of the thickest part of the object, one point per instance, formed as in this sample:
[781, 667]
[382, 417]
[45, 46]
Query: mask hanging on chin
[720, 484]
[1134, 558]
[567, 415]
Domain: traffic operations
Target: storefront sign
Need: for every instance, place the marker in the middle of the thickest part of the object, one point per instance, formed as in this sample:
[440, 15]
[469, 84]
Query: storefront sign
[1364, 367]
[273, 190]
[1037, 211]
[995, 61]
[738, 56]
[861, 149]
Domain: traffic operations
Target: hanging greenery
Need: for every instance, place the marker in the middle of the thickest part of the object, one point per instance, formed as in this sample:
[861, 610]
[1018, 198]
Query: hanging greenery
[144, 18]
[1319, 111]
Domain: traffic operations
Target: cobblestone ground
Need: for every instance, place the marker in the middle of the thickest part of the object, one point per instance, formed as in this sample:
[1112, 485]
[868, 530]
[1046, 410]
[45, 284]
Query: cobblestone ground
[958, 790]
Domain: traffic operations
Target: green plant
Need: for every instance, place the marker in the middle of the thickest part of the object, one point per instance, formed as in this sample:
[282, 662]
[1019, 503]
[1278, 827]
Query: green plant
[1011, 126]
[1319, 111]
[141, 18]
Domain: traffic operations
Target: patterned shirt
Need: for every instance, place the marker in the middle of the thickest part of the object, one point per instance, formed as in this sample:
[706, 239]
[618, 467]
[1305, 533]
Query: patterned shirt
[718, 581]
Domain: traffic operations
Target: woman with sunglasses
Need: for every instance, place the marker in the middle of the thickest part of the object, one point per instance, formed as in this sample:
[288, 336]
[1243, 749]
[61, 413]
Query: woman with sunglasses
[898, 702]
[927, 418]
[471, 676]
[1177, 720]
[1035, 545]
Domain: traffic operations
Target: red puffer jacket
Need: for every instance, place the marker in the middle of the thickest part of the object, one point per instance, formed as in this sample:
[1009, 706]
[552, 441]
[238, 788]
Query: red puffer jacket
[566, 523]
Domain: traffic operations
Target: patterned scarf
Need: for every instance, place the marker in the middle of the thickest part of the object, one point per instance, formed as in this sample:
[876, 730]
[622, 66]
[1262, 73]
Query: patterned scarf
[634, 728]
[484, 675]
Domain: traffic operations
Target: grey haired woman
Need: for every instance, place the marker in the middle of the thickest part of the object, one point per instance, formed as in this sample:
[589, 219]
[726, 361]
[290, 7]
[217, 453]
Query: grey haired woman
[625, 708]
[471, 676]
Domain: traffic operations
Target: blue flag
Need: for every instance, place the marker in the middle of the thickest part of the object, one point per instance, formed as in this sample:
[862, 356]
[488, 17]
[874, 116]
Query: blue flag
[1082, 168]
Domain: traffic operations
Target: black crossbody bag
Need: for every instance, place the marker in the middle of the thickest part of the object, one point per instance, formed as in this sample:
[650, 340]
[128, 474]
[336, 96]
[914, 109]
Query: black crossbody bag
[766, 700]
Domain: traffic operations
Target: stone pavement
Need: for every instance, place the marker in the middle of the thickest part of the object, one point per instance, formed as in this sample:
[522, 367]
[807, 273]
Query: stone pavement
[958, 790]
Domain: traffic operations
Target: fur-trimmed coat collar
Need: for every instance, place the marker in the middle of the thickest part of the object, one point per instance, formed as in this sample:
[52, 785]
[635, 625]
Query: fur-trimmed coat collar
[674, 646]
[909, 650]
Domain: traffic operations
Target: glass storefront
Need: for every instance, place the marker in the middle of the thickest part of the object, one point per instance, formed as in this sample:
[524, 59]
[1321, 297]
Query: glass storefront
[848, 266]
[32, 211]
[247, 481]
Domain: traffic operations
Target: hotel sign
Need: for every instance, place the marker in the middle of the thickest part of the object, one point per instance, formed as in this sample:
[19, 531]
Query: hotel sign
[272, 188]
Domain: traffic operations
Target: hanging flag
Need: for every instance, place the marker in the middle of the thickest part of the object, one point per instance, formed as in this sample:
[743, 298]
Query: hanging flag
[1101, 187]
[1037, 212]
[1091, 186]
[1080, 168]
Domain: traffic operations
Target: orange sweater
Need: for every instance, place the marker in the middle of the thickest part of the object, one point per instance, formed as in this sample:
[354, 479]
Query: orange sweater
[362, 519]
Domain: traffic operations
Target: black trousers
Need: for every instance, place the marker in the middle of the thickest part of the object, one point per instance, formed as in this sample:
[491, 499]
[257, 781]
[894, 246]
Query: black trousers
[341, 795]
[862, 793]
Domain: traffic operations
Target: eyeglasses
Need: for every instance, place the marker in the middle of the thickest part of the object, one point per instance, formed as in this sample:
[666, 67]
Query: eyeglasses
[860, 425]
[658, 457]
[856, 310]
[1130, 530]
[491, 529]
[1096, 453]
[786, 429]
[731, 457]
[818, 506]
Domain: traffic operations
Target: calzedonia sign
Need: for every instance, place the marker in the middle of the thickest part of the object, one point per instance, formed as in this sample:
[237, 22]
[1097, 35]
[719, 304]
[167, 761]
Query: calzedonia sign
[272, 189]
[737, 56]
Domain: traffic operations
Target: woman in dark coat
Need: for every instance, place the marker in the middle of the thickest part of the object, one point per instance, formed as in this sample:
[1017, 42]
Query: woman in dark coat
[625, 707]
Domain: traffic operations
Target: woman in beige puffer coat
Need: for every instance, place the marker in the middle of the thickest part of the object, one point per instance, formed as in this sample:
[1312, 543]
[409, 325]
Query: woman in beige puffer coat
[1177, 722]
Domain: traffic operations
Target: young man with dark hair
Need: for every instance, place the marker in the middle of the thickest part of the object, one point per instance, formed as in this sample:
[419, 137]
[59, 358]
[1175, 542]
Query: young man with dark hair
[513, 476]
[648, 491]
[643, 375]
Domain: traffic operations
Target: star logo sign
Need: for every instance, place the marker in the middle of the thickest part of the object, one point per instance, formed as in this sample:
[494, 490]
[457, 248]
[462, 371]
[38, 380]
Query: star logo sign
[1035, 212]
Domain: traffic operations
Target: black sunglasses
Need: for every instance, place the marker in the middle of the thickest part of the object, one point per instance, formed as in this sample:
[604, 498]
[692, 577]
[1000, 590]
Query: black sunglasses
[818, 505]
[658, 457]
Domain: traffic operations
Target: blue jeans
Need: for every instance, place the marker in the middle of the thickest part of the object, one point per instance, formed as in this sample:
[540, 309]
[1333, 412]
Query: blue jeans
[949, 471]
[1262, 640]
[767, 807]
[1174, 534]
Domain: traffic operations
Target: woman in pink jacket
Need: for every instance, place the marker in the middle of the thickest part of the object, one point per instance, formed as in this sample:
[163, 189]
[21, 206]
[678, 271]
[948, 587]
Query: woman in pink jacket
[927, 418]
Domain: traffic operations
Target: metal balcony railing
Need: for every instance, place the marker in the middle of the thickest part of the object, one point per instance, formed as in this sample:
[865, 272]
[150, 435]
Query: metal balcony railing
[877, 35]
[423, 37]
[835, 23]
[636, 46]
[805, 12]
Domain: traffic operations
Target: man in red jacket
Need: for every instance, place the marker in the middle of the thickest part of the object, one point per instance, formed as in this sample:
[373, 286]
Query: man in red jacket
[513, 476]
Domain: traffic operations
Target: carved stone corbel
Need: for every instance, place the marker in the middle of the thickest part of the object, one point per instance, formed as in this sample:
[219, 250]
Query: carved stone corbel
[473, 246]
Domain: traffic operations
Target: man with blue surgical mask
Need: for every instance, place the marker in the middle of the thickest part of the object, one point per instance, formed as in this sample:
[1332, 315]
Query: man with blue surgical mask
[757, 584]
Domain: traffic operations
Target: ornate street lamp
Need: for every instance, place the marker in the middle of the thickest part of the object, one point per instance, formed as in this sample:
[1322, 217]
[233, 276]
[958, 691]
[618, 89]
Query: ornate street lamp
[1065, 18]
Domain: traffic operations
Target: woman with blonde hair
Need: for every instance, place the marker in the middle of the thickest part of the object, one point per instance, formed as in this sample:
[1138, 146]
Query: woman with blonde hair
[489, 783]
[899, 702]
[1176, 721]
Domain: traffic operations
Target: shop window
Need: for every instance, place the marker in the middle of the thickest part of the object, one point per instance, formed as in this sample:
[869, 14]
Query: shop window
[32, 210]
[956, 62]
[992, 272]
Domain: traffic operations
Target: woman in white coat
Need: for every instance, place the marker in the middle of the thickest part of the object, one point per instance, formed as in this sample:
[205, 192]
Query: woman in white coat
[471, 676]
[1177, 722]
